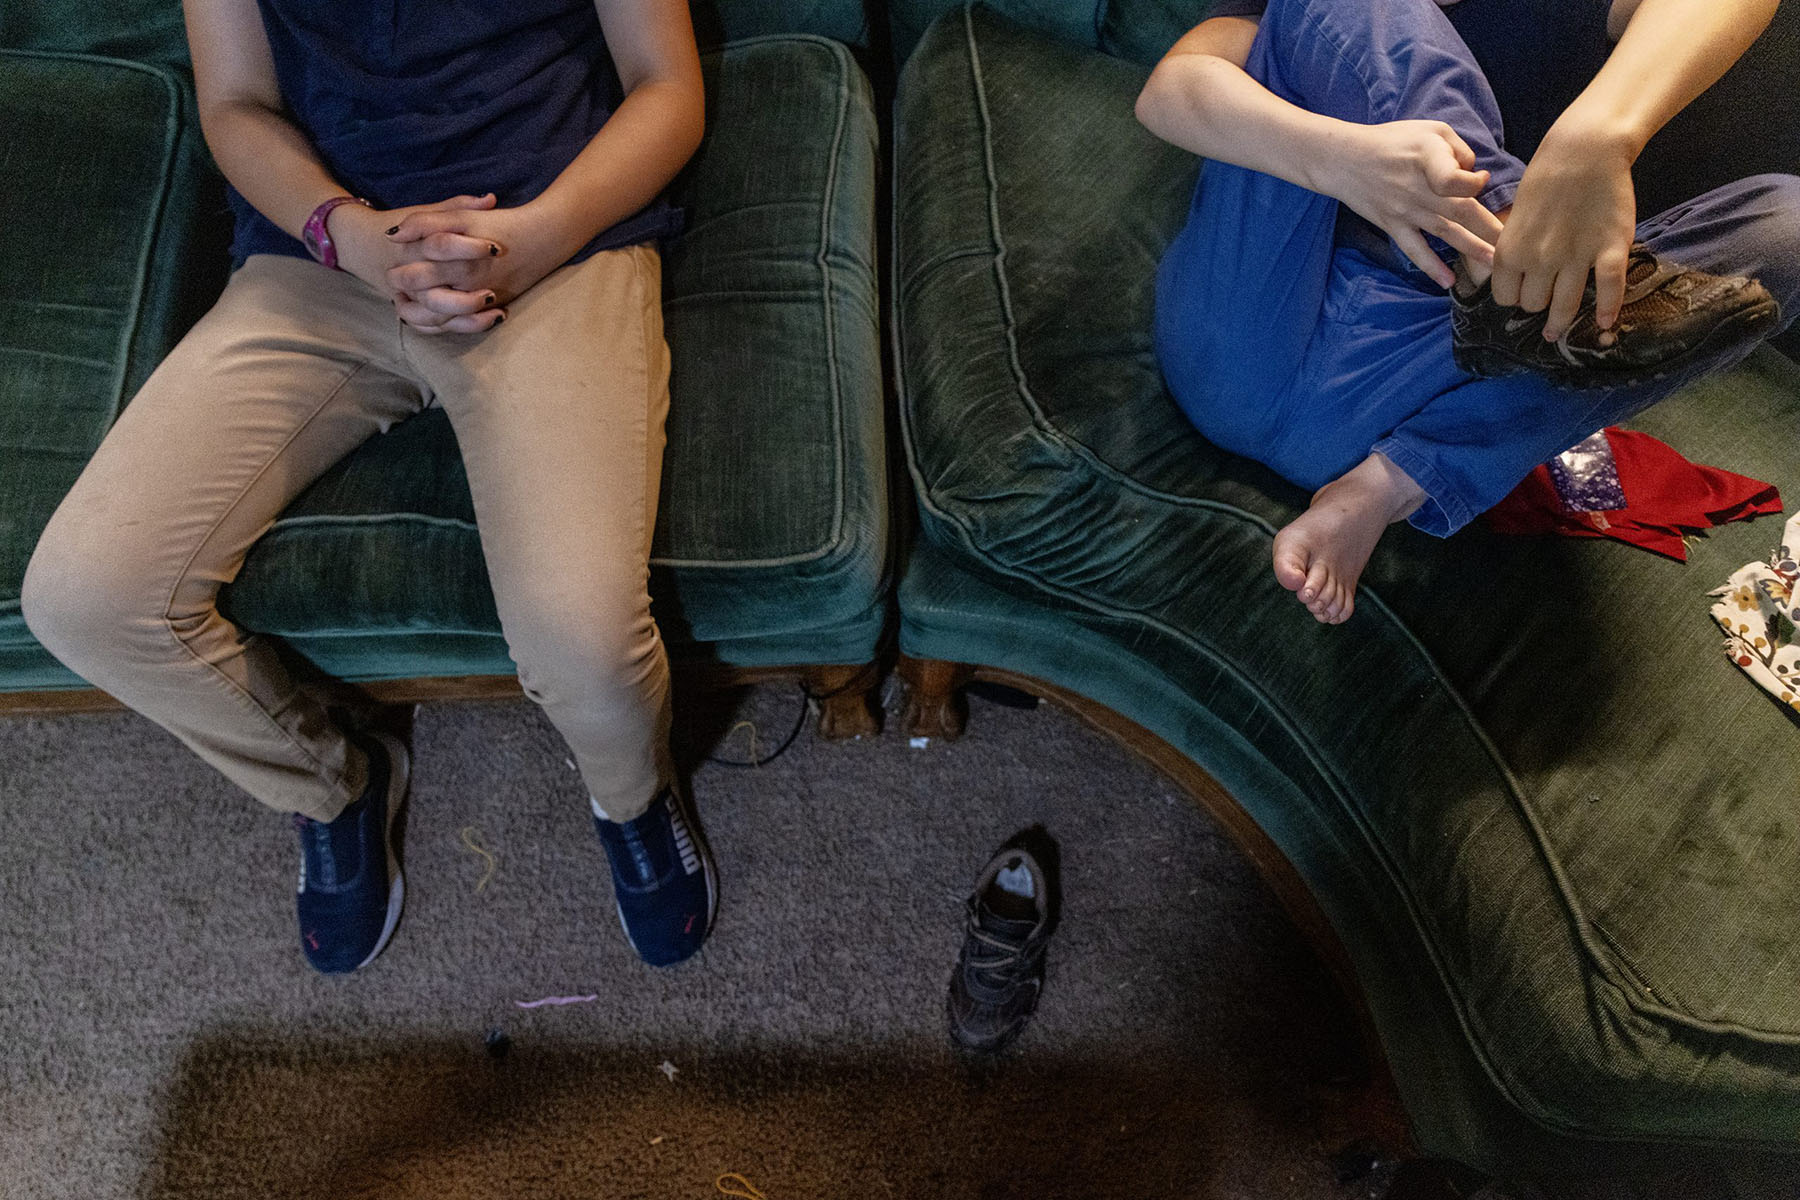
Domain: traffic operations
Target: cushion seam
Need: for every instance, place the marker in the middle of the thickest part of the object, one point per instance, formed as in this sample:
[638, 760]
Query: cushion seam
[152, 234]
[832, 359]
[317, 521]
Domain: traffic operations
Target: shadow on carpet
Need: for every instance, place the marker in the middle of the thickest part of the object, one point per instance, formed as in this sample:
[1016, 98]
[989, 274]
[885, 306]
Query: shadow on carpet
[252, 1116]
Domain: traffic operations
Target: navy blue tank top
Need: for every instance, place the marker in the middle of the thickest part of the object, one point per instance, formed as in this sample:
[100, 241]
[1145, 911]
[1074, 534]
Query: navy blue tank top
[413, 101]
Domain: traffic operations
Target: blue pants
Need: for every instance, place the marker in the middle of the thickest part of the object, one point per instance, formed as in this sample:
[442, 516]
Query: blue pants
[1285, 345]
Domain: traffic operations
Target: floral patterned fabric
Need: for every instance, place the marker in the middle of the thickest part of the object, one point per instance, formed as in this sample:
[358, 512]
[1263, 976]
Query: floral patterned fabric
[1758, 612]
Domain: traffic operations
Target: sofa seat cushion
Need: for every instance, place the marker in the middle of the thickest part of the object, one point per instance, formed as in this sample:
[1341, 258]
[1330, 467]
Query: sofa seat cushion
[771, 539]
[111, 185]
[1586, 812]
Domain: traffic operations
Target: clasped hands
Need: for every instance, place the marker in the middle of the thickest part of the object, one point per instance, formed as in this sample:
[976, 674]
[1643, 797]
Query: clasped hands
[1573, 217]
[450, 267]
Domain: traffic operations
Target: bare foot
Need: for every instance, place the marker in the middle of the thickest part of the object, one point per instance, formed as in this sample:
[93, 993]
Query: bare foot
[1321, 555]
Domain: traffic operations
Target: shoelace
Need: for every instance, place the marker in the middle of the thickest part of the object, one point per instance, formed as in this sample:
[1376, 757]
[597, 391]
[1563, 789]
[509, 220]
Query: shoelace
[1009, 961]
[315, 845]
[638, 853]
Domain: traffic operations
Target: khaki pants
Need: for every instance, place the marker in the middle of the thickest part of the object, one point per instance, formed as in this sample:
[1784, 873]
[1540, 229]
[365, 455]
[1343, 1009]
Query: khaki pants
[559, 414]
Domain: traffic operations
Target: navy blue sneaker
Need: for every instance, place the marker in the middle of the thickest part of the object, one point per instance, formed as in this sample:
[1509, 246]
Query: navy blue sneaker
[351, 891]
[663, 878]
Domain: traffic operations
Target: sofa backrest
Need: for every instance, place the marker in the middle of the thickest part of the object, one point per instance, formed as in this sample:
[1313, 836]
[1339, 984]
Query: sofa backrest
[151, 30]
[141, 30]
[1140, 30]
[1747, 124]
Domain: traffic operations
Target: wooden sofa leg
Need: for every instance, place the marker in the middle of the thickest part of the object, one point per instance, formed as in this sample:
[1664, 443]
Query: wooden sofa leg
[847, 700]
[935, 704]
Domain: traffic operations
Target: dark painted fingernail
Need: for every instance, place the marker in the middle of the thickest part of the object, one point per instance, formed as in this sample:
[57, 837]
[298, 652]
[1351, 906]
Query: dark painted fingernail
[492, 249]
[492, 299]
[499, 318]
[393, 231]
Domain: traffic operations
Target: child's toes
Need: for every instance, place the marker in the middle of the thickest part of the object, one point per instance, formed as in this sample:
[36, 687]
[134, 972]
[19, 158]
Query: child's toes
[1290, 568]
[1318, 582]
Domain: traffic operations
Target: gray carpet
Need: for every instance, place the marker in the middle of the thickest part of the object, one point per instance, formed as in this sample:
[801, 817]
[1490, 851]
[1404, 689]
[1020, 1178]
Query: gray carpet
[163, 1038]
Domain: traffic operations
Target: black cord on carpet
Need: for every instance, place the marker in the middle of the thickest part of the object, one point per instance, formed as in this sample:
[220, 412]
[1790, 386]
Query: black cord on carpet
[806, 699]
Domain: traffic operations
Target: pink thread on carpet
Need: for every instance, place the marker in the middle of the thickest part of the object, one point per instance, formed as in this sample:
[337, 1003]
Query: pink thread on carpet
[558, 1000]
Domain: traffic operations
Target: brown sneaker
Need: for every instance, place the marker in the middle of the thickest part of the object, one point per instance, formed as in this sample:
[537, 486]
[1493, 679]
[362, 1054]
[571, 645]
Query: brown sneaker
[1000, 969]
[1673, 317]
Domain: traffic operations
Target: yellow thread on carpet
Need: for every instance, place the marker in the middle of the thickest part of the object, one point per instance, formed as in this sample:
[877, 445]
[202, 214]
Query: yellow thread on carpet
[755, 758]
[749, 1192]
[468, 839]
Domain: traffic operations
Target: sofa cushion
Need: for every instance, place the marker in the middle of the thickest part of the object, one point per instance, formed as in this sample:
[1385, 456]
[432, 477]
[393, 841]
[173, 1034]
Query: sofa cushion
[107, 248]
[1579, 802]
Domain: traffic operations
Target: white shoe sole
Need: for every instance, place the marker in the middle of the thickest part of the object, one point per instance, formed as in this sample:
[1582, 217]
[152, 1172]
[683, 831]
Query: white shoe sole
[399, 775]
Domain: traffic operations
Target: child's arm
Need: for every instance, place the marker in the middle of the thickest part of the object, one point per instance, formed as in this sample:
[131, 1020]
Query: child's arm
[1411, 178]
[627, 163]
[1575, 211]
[267, 158]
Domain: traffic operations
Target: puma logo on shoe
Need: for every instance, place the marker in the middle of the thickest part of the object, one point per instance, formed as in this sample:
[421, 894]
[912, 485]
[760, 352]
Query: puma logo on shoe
[684, 842]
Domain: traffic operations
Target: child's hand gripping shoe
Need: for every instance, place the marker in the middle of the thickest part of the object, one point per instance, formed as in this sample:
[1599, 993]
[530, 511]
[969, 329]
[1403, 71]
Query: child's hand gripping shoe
[1673, 318]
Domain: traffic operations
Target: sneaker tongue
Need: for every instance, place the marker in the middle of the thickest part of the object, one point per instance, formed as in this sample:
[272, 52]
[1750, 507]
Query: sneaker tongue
[1013, 927]
[1641, 267]
[642, 850]
[333, 849]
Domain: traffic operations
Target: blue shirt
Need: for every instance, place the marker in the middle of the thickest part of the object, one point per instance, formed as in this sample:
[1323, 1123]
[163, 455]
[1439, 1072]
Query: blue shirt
[414, 101]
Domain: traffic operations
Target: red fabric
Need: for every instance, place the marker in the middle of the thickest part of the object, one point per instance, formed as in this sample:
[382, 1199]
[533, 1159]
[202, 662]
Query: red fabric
[1666, 498]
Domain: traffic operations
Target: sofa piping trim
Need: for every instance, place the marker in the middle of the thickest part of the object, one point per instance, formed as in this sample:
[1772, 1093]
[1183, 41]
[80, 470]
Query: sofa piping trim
[327, 521]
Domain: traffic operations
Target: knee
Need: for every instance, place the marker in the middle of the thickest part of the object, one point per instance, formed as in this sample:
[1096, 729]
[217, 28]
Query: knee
[1773, 203]
[597, 664]
[71, 601]
[88, 598]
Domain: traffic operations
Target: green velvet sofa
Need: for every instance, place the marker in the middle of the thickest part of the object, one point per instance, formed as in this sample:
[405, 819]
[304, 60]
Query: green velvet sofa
[1547, 837]
[1547, 834]
[772, 548]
